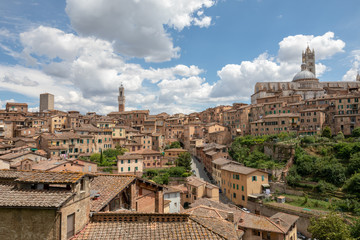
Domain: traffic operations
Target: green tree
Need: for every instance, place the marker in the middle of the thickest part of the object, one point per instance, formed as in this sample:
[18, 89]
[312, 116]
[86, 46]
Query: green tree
[324, 186]
[355, 229]
[352, 185]
[161, 179]
[356, 132]
[354, 163]
[329, 227]
[184, 160]
[340, 136]
[308, 140]
[95, 157]
[326, 132]
[293, 177]
[175, 145]
[101, 161]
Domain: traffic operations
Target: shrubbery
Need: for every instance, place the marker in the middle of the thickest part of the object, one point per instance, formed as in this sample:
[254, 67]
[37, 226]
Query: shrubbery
[161, 176]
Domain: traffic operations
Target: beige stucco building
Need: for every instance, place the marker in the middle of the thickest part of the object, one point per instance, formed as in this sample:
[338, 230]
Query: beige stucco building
[239, 182]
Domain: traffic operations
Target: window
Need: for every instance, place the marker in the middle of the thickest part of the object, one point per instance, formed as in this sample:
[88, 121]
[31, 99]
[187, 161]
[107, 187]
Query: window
[233, 185]
[135, 160]
[122, 161]
[136, 168]
[234, 195]
[254, 178]
[128, 161]
[237, 186]
[242, 188]
[70, 225]
[82, 185]
[122, 169]
[262, 178]
[129, 169]
[243, 197]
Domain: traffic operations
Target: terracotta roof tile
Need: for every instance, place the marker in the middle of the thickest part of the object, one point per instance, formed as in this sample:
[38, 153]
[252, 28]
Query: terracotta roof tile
[192, 228]
[50, 177]
[284, 220]
[221, 161]
[108, 186]
[41, 176]
[238, 168]
[10, 196]
[253, 221]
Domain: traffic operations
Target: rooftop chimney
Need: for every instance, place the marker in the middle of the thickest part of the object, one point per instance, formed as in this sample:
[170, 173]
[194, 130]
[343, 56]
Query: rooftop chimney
[230, 217]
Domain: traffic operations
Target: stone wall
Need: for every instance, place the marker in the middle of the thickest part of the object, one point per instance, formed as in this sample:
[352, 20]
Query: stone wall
[279, 152]
[146, 203]
[19, 223]
[280, 187]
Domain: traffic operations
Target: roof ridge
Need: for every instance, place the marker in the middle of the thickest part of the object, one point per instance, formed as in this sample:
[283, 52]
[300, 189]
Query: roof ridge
[193, 218]
[279, 227]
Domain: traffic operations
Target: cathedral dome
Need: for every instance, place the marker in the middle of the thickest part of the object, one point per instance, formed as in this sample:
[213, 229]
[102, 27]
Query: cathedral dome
[304, 75]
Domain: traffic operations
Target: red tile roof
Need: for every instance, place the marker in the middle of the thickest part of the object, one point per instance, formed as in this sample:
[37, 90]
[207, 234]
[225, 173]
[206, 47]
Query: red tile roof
[41, 176]
[10, 196]
[179, 226]
[108, 186]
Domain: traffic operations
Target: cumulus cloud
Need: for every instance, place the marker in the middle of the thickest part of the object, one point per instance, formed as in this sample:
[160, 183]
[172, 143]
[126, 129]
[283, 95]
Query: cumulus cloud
[25, 81]
[85, 72]
[325, 46]
[138, 28]
[239, 79]
[350, 75]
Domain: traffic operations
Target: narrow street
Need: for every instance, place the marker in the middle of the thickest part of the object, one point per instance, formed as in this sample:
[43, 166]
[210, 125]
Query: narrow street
[200, 173]
[199, 169]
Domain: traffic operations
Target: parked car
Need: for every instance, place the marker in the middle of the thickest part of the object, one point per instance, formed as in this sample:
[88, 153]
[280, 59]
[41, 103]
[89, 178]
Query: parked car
[246, 210]
[300, 236]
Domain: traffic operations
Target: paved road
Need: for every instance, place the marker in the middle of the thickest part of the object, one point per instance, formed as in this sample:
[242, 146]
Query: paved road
[200, 173]
[199, 169]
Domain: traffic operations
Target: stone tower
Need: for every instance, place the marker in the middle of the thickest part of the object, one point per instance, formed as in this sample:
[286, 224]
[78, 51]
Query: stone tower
[308, 58]
[121, 99]
[46, 102]
[358, 77]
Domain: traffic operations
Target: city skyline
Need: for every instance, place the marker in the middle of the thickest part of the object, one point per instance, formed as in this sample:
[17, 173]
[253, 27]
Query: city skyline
[174, 58]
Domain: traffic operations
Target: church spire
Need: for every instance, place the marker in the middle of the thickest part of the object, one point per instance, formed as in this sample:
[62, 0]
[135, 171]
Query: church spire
[358, 77]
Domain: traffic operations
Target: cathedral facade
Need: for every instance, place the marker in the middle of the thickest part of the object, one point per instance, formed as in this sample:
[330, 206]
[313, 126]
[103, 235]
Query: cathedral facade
[304, 84]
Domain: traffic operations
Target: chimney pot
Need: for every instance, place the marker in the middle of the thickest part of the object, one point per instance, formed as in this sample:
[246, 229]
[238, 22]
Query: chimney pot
[230, 217]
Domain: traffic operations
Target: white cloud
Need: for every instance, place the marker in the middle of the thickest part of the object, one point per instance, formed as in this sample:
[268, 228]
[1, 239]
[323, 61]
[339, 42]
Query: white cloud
[138, 28]
[350, 75]
[84, 73]
[239, 79]
[3, 103]
[325, 46]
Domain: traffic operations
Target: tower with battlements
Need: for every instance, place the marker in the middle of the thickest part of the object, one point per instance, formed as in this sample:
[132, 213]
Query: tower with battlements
[308, 58]
[121, 99]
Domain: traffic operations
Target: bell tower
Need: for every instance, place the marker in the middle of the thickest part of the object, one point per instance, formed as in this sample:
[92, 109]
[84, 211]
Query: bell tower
[308, 58]
[121, 98]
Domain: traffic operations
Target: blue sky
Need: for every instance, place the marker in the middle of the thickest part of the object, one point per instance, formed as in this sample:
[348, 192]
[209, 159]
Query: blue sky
[175, 56]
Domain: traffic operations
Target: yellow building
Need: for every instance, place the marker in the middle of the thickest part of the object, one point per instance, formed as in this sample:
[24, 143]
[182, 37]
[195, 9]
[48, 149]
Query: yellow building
[118, 135]
[217, 164]
[239, 182]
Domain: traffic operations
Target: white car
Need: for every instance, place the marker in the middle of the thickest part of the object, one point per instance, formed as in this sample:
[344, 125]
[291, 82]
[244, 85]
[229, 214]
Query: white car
[246, 210]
